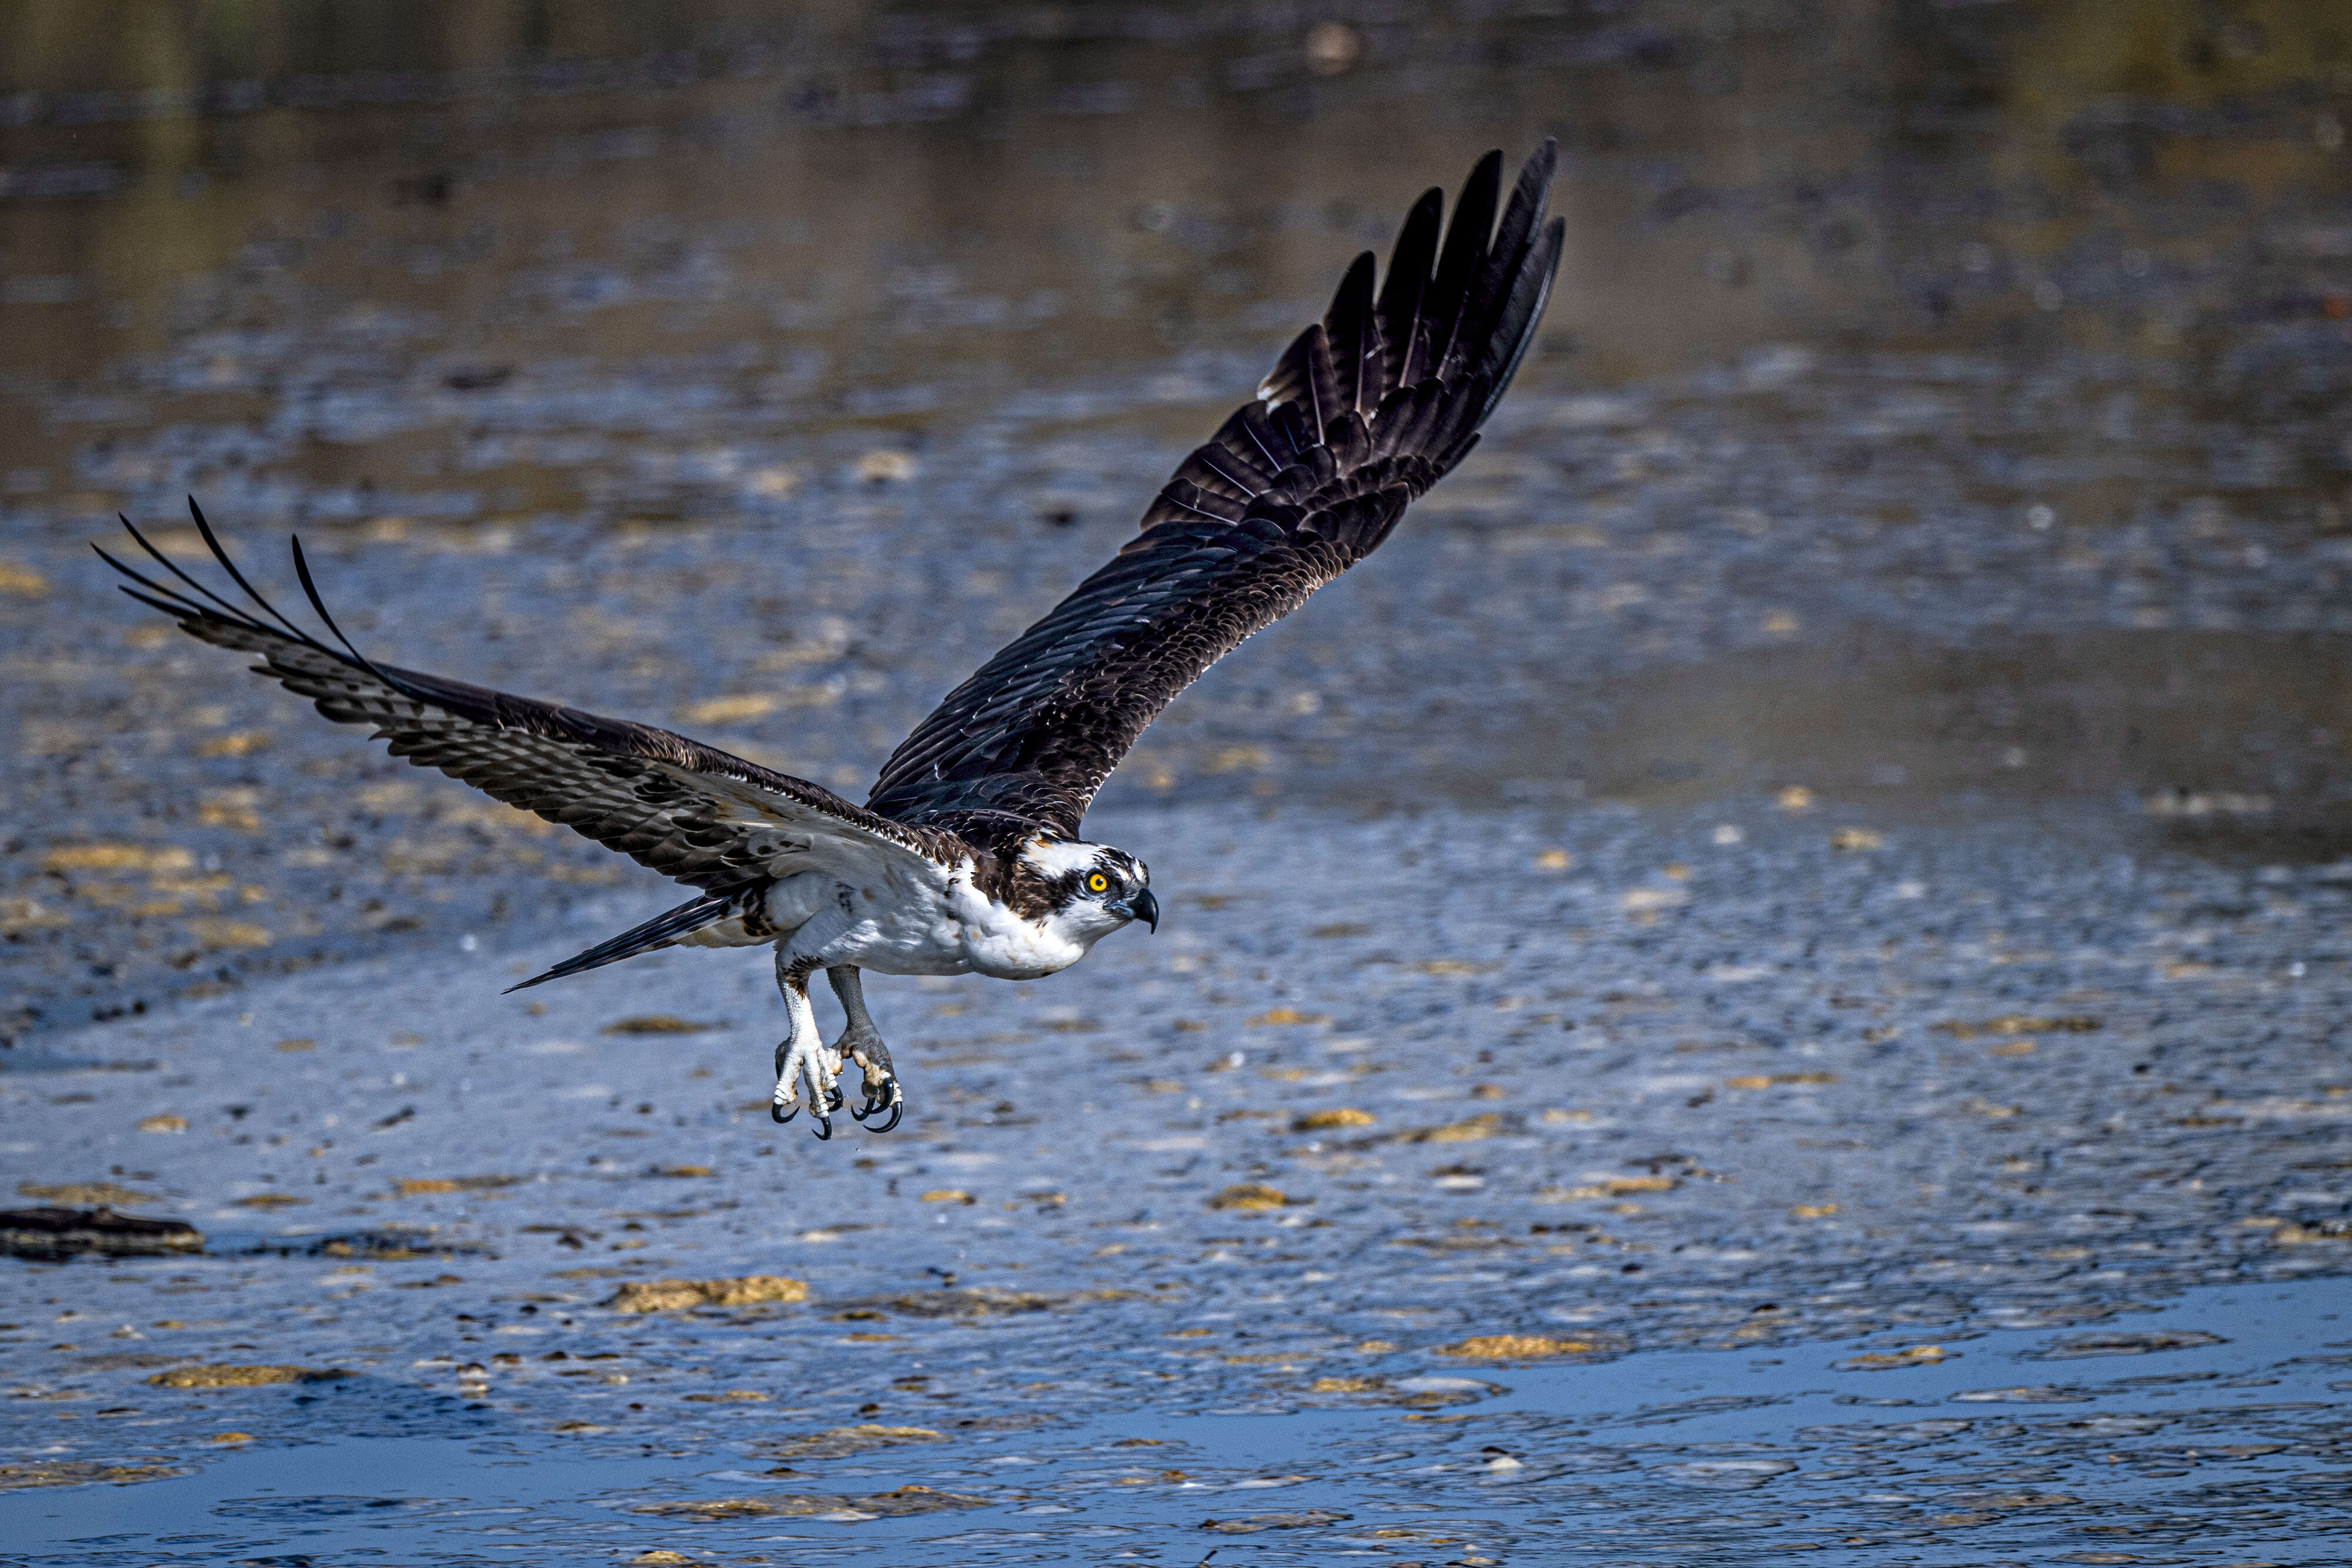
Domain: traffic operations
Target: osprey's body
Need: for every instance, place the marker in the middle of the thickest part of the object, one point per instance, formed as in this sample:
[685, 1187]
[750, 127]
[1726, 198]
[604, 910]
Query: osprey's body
[931, 920]
[968, 858]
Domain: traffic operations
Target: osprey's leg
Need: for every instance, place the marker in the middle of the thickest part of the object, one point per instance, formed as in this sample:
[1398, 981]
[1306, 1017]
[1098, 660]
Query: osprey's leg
[862, 1043]
[800, 1055]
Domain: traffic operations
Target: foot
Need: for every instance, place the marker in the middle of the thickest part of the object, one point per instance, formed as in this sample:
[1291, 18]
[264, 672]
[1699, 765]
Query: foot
[865, 1046]
[804, 1060]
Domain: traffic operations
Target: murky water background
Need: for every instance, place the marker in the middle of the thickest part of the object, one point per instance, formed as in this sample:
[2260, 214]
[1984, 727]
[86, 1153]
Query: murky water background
[1825, 839]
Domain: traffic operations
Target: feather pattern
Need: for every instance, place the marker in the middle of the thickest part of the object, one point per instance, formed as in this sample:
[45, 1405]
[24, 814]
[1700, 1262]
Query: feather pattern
[689, 811]
[1364, 411]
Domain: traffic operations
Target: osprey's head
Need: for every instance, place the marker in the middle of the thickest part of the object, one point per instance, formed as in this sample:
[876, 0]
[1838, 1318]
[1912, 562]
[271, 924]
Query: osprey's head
[1090, 890]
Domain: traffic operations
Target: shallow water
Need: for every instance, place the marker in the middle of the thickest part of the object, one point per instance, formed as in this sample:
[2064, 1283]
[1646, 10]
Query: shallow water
[1839, 805]
[2214, 1447]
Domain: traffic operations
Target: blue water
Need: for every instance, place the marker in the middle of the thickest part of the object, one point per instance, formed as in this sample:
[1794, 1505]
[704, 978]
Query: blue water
[2007, 1444]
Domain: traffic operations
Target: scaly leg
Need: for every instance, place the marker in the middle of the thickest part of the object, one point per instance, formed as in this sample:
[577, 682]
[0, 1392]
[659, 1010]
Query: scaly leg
[800, 1055]
[862, 1043]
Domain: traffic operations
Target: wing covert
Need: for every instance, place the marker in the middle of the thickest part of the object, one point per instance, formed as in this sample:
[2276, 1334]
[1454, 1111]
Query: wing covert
[1363, 412]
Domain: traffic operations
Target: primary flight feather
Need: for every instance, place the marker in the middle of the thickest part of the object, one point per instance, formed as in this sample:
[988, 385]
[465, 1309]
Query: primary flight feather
[967, 857]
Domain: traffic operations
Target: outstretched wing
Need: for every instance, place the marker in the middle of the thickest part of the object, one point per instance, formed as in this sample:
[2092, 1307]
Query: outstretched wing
[1365, 412]
[689, 811]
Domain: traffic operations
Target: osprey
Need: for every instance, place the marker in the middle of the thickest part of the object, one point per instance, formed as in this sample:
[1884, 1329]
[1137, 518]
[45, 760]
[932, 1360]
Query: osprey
[967, 857]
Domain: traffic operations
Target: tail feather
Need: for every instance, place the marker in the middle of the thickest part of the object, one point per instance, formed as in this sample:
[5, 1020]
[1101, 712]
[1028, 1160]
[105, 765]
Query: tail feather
[659, 932]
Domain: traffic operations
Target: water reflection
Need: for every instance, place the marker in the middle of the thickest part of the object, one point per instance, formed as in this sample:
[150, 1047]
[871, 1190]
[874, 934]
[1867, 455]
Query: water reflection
[511, 259]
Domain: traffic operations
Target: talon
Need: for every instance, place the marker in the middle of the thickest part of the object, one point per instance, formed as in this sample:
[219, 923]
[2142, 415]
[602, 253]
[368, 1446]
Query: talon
[891, 1100]
[823, 1128]
[780, 1114]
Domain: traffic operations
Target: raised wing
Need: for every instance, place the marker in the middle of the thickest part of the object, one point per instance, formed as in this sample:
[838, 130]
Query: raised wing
[1365, 410]
[692, 812]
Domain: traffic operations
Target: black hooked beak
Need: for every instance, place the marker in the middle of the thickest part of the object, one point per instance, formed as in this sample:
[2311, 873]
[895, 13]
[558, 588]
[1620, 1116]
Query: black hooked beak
[1144, 907]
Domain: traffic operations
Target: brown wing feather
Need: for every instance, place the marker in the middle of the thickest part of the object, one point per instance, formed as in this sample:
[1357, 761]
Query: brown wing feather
[689, 811]
[1364, 412]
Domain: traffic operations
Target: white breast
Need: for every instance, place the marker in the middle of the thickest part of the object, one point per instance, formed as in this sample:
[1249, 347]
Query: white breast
[930, 923]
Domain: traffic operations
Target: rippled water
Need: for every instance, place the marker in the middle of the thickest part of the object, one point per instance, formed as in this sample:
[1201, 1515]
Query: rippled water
[1857, 757]
[1711, 1457]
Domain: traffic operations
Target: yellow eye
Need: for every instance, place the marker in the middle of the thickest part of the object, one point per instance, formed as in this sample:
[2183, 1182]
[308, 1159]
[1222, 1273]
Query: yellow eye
[1097, 883]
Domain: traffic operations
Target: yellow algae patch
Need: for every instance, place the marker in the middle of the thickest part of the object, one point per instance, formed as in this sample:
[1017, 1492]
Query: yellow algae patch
[26, 914]
[1914, 1356]
[1795, 797]
[730, 710]
[2021, 1023]
[1814, 1210]
[1554, 860]
[1253, 1196]
[1857, 839]
[840, 1442]
[1516, 1347]
[164, 1123]
[754, 704]
[269, 1200]
[1615, 1187]
[294, 1047]
[2290, 1235]
[244, 1376]
[230, 933]
[1766, 1081]
[899, 1500]
[118, 857]
[84, 1194]
[231, 808]
[236, 743]
[655, 1023]
[1347, 1385]
[732, 1396]
[78, 1472]
[674, 1295]
[656, 1558]
[22, 581]
[1318, 1121]
[419, 1186]
[1481, 1126]
[948, 1195]
[1453, 967]
[230, 1437]
[682, 1170]
[1285, 1016]
[882, 466]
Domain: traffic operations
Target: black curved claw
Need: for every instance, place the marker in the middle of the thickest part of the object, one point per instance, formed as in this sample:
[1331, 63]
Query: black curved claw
[833, 1099]
[896, 1105]
[780, 1114]
[823, 1128]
